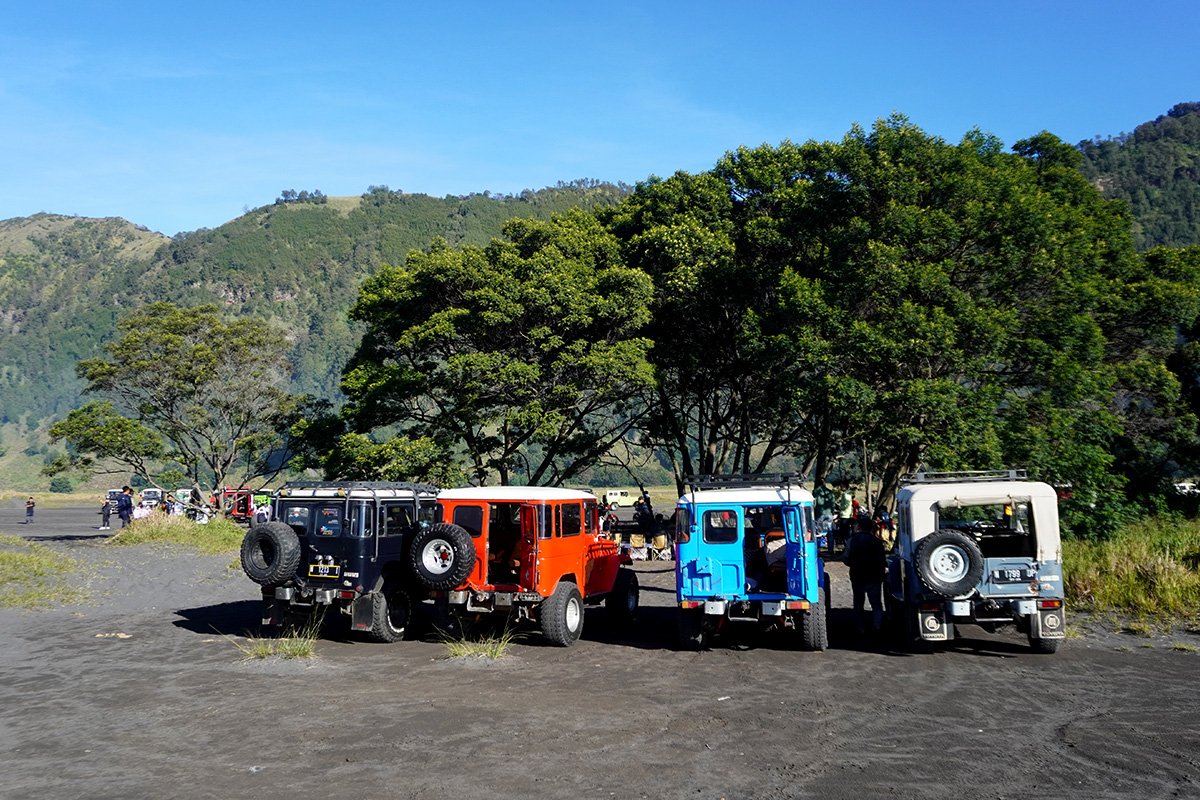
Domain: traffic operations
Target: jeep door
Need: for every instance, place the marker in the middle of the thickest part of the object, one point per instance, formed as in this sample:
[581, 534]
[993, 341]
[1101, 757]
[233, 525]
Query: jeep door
[716, 567]
[559, 545]
[801, 550]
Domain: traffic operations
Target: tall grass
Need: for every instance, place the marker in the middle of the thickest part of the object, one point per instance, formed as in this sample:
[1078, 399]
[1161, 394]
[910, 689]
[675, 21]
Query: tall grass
[1149, 568]
[218, 536]
[35, 576]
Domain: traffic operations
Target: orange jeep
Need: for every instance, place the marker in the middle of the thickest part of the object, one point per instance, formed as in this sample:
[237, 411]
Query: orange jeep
[527, 552]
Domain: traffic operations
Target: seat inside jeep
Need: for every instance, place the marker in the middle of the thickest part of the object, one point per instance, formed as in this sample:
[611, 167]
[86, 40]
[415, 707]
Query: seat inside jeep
[1000, 530]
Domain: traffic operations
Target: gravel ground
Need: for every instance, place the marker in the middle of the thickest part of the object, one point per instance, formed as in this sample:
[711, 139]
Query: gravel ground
[141, 692]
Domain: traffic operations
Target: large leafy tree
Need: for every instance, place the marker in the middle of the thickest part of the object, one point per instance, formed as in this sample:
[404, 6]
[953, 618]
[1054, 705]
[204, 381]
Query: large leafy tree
[184, 386]
[526, 353]
[952, 305]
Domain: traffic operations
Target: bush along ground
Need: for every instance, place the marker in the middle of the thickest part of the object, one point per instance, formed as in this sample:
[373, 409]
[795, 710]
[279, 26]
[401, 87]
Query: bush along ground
[218, 536]
[35, 576]
[1149, 568]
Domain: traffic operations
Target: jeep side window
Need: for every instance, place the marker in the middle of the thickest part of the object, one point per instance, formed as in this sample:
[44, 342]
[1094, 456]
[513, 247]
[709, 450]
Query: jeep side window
[545, 522]
[591, 517]
[569, 520]
[720, 527]
[470, 519]
[361, 524]
[396, 519]
[428, 513]
[683, 526]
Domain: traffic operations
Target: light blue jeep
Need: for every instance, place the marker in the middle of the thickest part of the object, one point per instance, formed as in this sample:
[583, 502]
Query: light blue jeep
[746, 552]
[981, 548]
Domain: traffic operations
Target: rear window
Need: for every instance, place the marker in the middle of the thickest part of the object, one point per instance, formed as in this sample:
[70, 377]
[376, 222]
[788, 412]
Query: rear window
[720, 527]
[297, 517]
[329, 521]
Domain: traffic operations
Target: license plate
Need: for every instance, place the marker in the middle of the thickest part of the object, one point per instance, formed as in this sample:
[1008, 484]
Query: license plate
[1013, 575]
[324, 570]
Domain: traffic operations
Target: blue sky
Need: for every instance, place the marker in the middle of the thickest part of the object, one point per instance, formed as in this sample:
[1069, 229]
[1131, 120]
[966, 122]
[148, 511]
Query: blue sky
[183, 115]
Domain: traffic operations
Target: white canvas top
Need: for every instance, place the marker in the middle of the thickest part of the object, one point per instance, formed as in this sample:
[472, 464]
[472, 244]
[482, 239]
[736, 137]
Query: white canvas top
[764, 495]
[922, 500]
[515, 494]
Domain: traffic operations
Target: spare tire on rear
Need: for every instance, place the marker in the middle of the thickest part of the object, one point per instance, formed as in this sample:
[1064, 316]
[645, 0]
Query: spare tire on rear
[270, 553]
[948, 563]
[442, 556]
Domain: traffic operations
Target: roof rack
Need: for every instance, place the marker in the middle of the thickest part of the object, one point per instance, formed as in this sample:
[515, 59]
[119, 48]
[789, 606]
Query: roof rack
[743, 481]
[966, 476]
[349, 486]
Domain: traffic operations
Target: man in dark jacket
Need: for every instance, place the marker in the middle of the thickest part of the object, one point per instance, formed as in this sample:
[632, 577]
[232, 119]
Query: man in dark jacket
[125, 505]
[868, 565]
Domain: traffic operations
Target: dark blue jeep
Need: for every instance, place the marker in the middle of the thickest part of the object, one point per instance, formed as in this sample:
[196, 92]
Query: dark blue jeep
[746, 551]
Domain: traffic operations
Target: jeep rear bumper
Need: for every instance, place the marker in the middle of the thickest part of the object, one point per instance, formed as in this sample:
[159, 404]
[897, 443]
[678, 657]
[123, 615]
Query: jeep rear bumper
[1045, 616]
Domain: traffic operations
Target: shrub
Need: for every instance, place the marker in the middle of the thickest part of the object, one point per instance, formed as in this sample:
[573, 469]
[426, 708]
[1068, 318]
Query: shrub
[61, 484]
[1149, 567]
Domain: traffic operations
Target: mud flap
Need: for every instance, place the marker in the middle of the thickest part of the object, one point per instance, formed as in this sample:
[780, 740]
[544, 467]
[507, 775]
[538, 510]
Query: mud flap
[934, 626]
[1048, 623]
[272, 612]
[362, 611]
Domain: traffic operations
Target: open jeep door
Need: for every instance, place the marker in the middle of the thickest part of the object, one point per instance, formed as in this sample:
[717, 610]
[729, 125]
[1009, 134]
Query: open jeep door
[793, 528]
[530, 530]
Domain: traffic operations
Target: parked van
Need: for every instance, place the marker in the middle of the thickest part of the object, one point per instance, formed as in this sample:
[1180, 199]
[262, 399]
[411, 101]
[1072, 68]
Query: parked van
[618, 497]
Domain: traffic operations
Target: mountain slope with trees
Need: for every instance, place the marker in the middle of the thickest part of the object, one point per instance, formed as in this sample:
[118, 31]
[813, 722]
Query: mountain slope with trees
[1156, 170]
[297, 263]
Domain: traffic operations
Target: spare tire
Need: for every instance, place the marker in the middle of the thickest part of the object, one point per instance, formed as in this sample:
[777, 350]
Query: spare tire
[948, 563]
[270, 553]
[442, 556]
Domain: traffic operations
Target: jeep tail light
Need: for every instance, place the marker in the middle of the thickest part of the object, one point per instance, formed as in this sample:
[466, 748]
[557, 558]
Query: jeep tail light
[691, 603]
[931, 606]
[1049, 603]
[796, 605]
[346, 594]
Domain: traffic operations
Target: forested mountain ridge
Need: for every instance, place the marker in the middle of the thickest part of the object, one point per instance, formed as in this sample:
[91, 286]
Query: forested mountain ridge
[65, 280]
[62, 280]
[1156, 170]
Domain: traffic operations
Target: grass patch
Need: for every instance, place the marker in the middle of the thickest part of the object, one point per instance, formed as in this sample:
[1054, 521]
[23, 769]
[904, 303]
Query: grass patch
[218, 536]
[33, 575]
[296, 642]
[491, 647]
[1184, 647]
[1150, 568]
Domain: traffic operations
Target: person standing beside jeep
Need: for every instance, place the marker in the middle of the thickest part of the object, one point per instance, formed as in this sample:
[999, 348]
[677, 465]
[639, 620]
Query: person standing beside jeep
[868, 566]
[125, 505]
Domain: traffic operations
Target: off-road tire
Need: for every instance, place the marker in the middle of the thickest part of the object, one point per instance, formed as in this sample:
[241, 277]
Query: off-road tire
[948, 563]
[442, 556]
[1043, 646]
[692, 633]
[392, 615]
[561, 615]
[270, 554]
[814, 627]
[622, 601]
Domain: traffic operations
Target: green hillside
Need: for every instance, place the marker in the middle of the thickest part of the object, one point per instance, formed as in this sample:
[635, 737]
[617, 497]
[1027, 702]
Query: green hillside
[65, 280]
[1156, 169]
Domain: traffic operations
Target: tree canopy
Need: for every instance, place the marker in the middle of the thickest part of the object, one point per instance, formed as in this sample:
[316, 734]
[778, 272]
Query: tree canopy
[184, 387]
[525, 354]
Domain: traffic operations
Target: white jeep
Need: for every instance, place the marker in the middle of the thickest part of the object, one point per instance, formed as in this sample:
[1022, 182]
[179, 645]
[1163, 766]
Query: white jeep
[981, 548]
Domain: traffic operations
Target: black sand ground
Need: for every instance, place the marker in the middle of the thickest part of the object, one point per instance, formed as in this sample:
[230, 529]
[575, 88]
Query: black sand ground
[172, 711]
